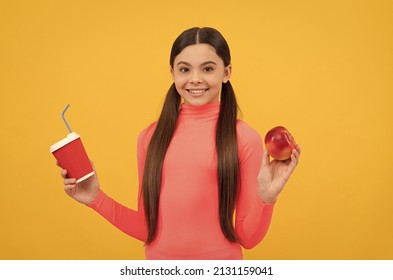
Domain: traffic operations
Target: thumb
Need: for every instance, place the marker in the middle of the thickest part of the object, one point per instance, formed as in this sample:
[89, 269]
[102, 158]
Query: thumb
[265, 159]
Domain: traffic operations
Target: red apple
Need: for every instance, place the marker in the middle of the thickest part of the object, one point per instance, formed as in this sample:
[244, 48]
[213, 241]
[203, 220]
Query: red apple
[279, 143]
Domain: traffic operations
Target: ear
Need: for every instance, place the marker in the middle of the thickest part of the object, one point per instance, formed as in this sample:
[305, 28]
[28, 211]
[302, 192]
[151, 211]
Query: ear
[227, 74]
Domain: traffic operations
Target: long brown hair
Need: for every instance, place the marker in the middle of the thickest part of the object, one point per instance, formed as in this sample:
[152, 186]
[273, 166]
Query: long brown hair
[226, 140]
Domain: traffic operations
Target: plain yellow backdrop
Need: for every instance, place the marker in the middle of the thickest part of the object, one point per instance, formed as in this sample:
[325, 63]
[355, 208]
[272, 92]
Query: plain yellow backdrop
[323, 69]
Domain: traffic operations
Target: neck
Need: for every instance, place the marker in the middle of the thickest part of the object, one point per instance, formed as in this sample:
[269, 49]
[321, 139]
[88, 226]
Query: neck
[209, 109]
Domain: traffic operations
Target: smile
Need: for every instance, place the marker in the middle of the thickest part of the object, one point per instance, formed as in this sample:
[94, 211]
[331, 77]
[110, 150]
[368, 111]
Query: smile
[196, 91]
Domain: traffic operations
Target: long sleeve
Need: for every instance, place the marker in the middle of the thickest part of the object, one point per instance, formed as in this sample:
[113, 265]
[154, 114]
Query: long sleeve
[253, 216]
[125, 219]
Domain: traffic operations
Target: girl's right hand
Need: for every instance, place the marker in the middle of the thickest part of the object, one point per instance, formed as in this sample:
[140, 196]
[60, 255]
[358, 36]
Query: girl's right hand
[83, 192]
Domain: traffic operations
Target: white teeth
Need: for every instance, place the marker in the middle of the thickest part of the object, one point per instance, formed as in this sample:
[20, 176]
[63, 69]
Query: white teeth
[196, 91]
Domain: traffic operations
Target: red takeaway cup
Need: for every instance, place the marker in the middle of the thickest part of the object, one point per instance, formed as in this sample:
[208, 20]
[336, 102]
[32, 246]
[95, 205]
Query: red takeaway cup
[72, 156]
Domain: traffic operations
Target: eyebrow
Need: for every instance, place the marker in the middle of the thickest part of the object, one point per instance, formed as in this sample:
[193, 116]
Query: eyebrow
[188, 64]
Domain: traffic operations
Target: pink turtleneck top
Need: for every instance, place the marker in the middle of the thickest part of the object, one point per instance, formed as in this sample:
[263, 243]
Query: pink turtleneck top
[188, 221]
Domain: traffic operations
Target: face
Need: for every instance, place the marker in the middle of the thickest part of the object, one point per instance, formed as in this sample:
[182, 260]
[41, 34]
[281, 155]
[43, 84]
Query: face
[198, 73]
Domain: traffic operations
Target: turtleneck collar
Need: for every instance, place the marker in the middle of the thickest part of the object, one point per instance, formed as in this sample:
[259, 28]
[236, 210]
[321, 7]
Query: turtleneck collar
[207, 110]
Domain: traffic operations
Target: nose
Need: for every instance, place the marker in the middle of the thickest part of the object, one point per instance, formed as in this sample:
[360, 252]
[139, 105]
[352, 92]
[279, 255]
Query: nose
[196, 78]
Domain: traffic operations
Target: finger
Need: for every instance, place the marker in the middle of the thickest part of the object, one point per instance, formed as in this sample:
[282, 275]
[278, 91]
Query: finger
[299, 151]
[294, 161]
[293, 157]
[69, 182]
[70, 190]
[265, 159]
[64, 174]
[296, 154]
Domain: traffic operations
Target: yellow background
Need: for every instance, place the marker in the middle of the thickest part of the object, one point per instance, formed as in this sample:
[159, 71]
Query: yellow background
[323, 69]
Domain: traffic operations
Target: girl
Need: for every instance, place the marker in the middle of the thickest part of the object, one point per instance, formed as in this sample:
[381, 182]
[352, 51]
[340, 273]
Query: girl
[206, 188]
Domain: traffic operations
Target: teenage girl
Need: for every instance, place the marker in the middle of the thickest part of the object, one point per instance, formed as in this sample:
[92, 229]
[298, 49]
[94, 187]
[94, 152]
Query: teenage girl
[207, 188]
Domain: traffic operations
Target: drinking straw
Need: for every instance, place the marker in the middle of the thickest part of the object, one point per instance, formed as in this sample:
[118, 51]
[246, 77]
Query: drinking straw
[65, 121]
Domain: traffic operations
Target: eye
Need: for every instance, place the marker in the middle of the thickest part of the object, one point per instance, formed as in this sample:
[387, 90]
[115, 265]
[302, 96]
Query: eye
[184, 70]
[208, 69]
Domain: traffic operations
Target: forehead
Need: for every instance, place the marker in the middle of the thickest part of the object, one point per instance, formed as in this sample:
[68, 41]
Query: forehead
[198, 53]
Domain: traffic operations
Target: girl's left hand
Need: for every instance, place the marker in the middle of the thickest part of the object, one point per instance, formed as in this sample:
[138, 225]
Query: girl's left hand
[274, 174]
